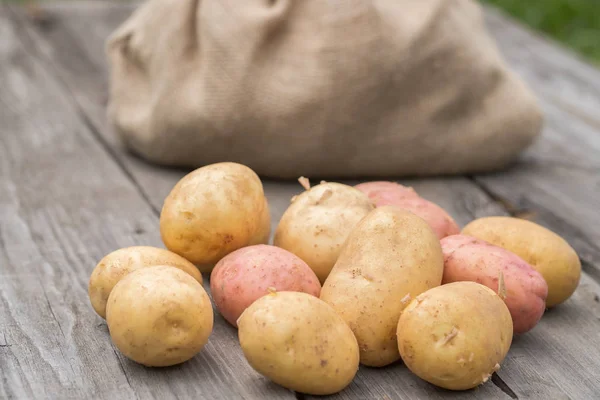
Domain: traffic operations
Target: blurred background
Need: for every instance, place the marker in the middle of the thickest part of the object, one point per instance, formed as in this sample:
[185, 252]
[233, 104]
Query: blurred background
[575, 23]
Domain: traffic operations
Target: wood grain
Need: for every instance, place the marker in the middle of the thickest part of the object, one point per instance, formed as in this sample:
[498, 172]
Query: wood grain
[65, 203]
[556, 73]
[555, 360]
[369, 384]
[557, 181]
[556, 184]
[77, 53]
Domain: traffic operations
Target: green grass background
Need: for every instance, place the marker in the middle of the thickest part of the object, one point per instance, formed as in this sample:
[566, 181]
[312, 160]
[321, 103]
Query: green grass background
[575, 23]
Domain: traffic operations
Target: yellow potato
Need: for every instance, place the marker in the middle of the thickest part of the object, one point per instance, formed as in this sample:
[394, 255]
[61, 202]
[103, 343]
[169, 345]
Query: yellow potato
[159, 316]
[543, 249]
[114, 266]
[389, 258]
[213, 211]
[455, 336]
[316, 224]
[299, 342]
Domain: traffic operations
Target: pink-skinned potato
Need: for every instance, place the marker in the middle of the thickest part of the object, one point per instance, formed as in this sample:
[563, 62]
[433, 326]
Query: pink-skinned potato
[439, 220]
[550, 254]
[383, 193]
[247, 274]
[525, 290]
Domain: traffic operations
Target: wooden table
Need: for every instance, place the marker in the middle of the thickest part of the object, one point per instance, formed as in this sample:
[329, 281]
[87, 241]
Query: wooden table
[69, 195]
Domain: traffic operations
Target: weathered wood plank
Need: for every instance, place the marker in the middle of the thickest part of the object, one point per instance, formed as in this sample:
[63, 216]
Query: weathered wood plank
[559, 177]
[560, 358]
[557, 73]
[65, 203]
[531, 368]
[42, 284]
[78, 54]
[557, 182]
[553, 169]
[367, 384]
[61, 45]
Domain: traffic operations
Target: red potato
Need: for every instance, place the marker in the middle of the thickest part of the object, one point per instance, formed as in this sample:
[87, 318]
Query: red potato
[439, 220]
[390, 193]
[384, 193]
[525, 290]
[249, 273]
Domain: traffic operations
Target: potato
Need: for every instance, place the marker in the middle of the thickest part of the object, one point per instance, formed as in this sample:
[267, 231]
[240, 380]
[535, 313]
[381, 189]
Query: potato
[246, 274]
[119, 263]
[299, 342]
[213, 211]
[544, 250]
[394, 194]
[316, 224]
[524, 291]
[390, 257]
[455, 336]
[159, 316]
[384, 193]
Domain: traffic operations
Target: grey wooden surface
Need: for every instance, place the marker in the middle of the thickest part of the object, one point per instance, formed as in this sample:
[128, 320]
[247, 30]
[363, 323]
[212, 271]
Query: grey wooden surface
[69, 194]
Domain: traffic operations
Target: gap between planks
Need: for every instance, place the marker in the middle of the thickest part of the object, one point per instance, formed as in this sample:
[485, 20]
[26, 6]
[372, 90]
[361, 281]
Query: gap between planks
[538, 203]
[588, 266]
[85, 119]
[41, 84]
[516, 211]
[112, 153]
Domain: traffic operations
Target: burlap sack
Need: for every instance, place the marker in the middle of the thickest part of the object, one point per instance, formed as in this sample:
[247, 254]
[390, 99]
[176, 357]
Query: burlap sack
[321, 88]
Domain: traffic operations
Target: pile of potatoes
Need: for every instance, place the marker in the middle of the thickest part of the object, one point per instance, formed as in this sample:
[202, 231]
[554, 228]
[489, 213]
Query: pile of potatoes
[369, 274]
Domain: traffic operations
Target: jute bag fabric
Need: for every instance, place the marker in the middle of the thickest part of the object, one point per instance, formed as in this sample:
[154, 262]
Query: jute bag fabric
[320, 88]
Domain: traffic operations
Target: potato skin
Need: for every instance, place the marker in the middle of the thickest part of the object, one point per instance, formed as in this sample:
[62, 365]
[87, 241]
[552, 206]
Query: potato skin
[390, 257]
[316, 224]
[159, 316]
[394, 194]
[455, 335]
[251, 272]
[299, 342]
[470, 259]
[543, 249]
[213, 211]
[384, 193]
[115, 265]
